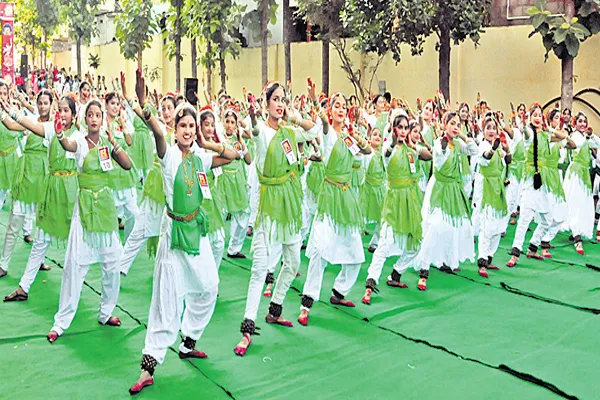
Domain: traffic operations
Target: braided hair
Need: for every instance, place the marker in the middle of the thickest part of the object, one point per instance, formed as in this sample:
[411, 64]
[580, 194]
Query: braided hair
[537, 177]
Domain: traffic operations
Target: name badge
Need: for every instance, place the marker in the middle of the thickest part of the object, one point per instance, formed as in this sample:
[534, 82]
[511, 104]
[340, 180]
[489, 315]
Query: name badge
[352, 146]
[70, 155]
[105, 161]
[305, 160]
[289, 152]
[203, 181]
[237, 146]
[217, 172]
[411, 162]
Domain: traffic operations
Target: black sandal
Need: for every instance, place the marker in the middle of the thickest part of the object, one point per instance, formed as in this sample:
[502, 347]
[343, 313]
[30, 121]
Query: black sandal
[16, 296]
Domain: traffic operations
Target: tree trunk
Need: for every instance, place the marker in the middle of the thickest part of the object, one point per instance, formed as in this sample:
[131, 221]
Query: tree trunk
[79, 57]
[222, 63]
[566, 87]
[194, 54]
[178, 48]
[286, 40]
[444, 62]
[209, 70]
[264, 35]
[325, 65]
[140, 59]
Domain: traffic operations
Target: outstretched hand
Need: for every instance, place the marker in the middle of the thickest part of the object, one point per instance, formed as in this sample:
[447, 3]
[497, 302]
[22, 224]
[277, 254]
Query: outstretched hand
[140, 87]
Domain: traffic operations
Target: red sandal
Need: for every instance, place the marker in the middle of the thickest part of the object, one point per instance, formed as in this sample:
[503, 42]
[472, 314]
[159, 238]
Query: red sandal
[112, 321]
[276, 321]
[135, 389]
[241, 351]
[422, 284]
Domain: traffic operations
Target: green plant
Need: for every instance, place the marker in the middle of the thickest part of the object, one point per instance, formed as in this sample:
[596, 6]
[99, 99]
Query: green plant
[94, 61]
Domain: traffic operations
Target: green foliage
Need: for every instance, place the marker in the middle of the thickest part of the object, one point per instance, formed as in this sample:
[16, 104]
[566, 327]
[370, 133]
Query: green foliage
[382, 27]
[327, 15]
[81, 15]
[48, 15]
[561, 36]
[135, 26]
[252, 18]
[29, 32]
[94, 61]
[152, 73]
[213, 23]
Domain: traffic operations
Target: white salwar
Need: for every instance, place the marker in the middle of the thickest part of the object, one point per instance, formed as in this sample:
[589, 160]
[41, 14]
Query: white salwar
[183, 283]
[445, 242]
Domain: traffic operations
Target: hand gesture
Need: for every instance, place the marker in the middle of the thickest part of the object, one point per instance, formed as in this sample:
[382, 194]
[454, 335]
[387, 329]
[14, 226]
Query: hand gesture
[124, 87]
[312, 90]
[140, 87]
[58, 123]
[5, 105]
[110, 135]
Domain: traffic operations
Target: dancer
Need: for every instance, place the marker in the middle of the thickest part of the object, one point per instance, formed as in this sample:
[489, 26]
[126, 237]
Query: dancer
[30, 172]
[578, 184]
[279, 218]
[233, 188]
[373, 190]
[447, 230]
[401, 230]
[535, 192]
[557, 199]
[489, 196]
[9, 150]
[93, 234]
[57, 196]
[336, 234]
[185, 270]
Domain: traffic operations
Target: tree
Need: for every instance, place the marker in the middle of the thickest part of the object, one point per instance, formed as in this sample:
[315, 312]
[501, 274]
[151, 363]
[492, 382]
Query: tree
[384, 26]
[287, 17]
[30, 33]
[214, 23]
[81, 15]
[258, 20]
[47, 17]
[136, 25]
[326, 14]
[564, 34]
[175, 31]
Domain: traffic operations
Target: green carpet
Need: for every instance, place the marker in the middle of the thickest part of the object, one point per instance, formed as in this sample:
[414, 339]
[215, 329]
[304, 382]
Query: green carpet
[527, 332]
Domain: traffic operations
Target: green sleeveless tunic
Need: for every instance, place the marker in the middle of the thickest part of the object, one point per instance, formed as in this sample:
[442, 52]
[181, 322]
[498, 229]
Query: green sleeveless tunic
[96, 202]
[142, 148]
[187, 201]
[8, 156]
[553, 183]
[448, 193]
[580, 167]
[427, 165]
[373, 190]
[404, 199]
[31, 170]
[280, 199]
[358, 174]
[210, 207]
[314, 179]
[337, 200]
[494, 193]
[59, 192]
[517, 164]
[232, 186]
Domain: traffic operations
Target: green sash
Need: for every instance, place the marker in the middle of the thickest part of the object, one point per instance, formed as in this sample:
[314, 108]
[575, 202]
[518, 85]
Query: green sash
[552, 173]
[8, 156]
[31, 169]
[153, 185]
[119, 178]
[404, 199]
[427, 165]
[232, 186]
[517, 164]
[314, 179]
[189, 221]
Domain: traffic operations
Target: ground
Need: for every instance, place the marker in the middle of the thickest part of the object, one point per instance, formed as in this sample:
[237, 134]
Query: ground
[528, 332]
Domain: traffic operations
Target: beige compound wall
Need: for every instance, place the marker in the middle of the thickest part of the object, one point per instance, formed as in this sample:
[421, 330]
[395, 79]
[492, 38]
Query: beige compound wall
[506, 66]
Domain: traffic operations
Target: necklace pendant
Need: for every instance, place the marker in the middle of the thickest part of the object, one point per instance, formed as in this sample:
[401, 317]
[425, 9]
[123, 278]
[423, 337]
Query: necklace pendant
[189, 192]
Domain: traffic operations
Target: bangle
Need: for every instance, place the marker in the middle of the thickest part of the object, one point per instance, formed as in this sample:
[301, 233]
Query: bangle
[60, 136]
[222, 149]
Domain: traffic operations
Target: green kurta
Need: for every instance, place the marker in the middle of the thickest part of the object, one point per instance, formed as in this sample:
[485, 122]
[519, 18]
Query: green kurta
[517, 165]
[314, 179]
[404, 199]
[358, 174]
[31, 170]
[373, 190]
[335, 200]
[142, 148]
[59, 192]
[210, 207]
[119, 178]
[429, 138]
[8, 156]
[580, 167]
[553, 172]
[448, 192]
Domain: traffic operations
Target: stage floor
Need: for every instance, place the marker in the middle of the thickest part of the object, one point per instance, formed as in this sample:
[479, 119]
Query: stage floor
[530, 332]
